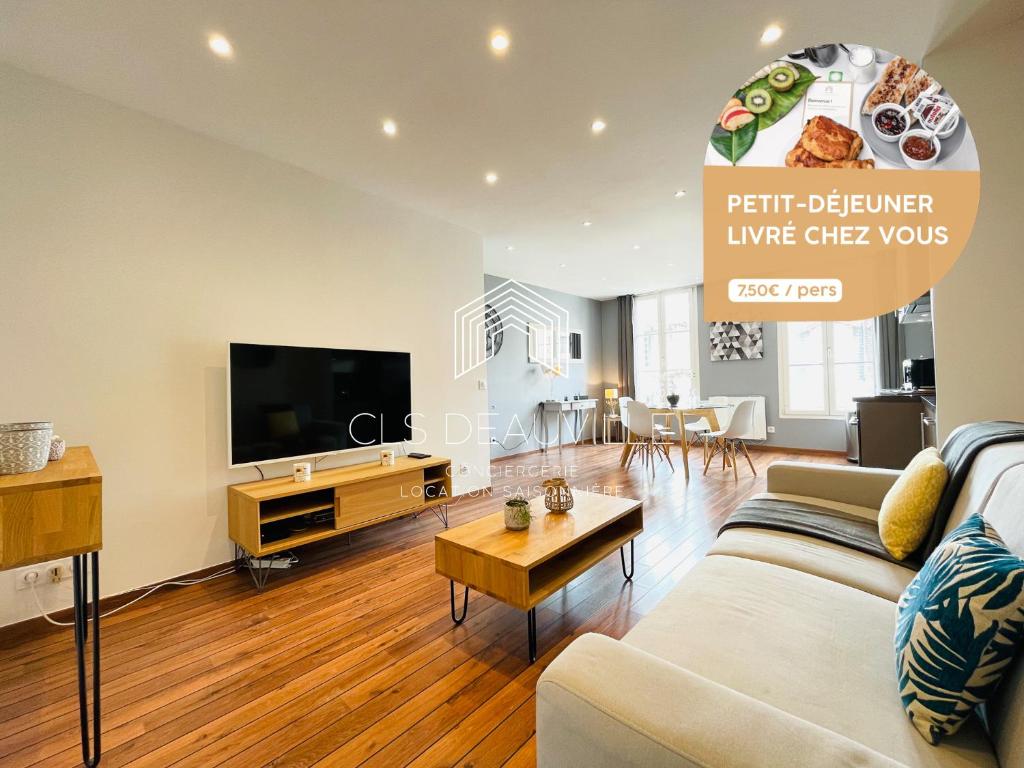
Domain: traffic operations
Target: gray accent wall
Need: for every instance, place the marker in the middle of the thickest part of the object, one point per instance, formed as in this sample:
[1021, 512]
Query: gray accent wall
[761, 377]
[516, 387]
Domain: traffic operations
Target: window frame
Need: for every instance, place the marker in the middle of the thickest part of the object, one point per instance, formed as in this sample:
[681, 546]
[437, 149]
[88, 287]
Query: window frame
[661, 333]
[782, 342]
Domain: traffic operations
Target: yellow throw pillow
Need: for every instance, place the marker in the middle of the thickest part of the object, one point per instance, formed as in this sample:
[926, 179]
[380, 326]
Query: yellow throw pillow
[909, 507]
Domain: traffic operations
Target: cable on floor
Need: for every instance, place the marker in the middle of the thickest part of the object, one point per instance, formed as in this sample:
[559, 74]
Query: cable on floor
[147, 593]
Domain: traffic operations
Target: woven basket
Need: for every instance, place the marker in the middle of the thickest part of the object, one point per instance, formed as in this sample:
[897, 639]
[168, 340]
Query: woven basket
[24, 447]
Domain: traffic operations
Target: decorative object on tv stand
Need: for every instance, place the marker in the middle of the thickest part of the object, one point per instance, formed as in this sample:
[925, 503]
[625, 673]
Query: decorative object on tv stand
[673, 400]
[387, 458]
[303, 471]
[517, 514]
[557, 495]
[737, 341]
[24, 446]
[57, 448]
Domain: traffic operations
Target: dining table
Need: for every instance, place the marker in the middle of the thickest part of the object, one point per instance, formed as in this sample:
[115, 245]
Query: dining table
[679, 413]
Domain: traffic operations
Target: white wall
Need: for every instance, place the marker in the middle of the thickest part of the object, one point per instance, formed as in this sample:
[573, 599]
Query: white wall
[979, 306]
[131, 251]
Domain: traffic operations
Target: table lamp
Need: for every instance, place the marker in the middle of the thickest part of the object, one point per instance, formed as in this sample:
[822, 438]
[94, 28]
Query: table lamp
[611, 400]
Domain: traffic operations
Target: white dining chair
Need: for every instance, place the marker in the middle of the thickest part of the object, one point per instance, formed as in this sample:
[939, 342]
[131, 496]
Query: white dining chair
[730, 438]
[624, 413]
[647, 439]
[695, 431]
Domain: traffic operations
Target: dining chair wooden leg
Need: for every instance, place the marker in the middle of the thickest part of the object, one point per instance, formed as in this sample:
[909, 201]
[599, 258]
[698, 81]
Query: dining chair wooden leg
[632, 453]
[743, 445]
[664, 449]
[735, 471]
[711, 455]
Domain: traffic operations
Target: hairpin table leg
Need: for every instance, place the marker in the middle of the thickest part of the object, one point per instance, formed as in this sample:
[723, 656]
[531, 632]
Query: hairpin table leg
[632, 564]
[531, 633]
[80, 575]
[465, 603]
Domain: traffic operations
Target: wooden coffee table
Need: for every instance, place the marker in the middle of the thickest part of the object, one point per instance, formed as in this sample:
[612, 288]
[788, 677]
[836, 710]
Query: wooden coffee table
[521, 568]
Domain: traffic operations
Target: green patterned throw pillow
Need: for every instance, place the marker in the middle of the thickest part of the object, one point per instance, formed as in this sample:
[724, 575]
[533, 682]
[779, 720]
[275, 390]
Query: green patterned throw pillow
[958, 625]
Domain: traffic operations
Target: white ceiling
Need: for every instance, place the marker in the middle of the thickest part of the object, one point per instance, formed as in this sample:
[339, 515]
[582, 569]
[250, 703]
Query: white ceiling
[311, 81]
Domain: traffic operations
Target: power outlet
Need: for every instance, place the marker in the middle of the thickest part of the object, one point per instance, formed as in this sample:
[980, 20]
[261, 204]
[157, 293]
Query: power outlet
[59, 572]
[42, 575]
[771, 430]
[24, 578]
[463, 468]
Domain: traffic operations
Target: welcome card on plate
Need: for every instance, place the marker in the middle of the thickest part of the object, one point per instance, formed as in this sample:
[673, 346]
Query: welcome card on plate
[834, 100]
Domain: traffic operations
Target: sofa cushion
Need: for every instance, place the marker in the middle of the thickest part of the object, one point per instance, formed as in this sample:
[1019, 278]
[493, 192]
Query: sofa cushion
[814, 648]
[959, 625]
[818, 557]
[905, 517]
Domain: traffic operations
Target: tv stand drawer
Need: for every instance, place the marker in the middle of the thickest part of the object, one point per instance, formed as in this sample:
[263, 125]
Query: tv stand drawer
[377, 498]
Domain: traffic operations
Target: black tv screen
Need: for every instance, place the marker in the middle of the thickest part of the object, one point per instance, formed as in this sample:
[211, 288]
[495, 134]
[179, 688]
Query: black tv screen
[294, 402]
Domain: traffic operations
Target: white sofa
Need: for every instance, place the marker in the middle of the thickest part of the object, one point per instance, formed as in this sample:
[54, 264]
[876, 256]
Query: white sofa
[776, 651]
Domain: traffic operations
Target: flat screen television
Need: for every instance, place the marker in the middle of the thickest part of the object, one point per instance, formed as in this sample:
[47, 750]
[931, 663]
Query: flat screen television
[294, 402]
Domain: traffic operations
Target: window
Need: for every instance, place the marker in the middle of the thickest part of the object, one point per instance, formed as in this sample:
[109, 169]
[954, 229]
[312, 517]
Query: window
[823, 366]
[665, 345]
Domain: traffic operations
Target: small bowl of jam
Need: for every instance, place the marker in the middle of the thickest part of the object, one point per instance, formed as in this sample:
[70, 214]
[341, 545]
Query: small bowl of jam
[920, 150]
[890, 121]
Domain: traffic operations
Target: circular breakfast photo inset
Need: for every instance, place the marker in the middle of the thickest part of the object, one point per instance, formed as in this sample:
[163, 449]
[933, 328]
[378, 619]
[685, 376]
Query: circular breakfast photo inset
[842, 105]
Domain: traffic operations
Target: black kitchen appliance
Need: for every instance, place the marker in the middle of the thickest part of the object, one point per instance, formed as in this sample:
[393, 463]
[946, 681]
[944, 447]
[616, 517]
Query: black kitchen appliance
[919, 373]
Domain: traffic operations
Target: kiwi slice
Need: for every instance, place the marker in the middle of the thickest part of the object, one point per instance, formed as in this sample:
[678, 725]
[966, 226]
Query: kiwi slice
[758, 101]
[781, 79]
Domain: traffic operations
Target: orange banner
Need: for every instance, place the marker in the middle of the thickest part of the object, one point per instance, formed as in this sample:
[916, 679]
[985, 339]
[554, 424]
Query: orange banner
[829, 244]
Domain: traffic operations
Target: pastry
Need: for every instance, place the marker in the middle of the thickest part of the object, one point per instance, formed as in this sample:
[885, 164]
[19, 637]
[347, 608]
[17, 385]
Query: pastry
[829, 141]
[798, 157]
[893, 84]
[921, 82]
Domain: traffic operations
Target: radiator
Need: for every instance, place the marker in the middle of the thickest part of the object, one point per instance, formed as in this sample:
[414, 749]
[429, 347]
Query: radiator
[760, 424]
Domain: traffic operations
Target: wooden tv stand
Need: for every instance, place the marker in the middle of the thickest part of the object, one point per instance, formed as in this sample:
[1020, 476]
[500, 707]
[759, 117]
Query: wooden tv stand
[263, 514]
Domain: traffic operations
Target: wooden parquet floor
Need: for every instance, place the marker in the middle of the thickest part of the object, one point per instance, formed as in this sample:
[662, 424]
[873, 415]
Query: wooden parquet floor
[350, 658]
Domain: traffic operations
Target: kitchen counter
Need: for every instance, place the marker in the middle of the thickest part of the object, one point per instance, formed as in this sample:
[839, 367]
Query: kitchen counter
[894, 426]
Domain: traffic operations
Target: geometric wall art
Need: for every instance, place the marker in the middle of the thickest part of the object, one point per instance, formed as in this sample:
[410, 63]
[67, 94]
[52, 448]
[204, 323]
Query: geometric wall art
[737, 341]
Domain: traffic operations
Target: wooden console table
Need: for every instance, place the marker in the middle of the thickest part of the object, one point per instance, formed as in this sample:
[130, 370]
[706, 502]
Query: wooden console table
[51, 514]
[261, 514]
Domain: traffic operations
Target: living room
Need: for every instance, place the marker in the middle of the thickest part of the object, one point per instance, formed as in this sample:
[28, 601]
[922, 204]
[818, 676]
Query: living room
[483, 229]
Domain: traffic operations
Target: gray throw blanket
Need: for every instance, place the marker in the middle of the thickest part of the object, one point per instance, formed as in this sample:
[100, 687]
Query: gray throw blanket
[958, 454]
[823, 523]
[861, 534]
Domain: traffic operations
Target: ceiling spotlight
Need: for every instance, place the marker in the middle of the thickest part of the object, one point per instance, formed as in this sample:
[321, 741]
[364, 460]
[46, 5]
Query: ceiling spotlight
[562, 265]
[389, 127]
[636, 247]
[587, 223]
[500, 42]
[597, 127]
[680, 193]
[510, 248]
[670, 264]
[491, 178]
[221, 46]
[771, 33]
